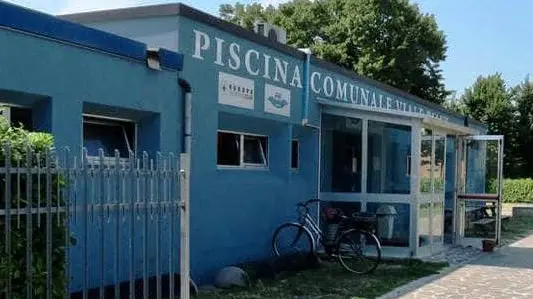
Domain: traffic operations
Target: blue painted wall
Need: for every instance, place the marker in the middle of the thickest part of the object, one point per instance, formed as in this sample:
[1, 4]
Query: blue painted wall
[63, 78]
[157, 31]
[60, 82]
[237, 210]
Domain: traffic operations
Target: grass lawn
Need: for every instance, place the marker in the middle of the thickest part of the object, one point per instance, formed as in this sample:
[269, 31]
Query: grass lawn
[331, 281]
[516, 228]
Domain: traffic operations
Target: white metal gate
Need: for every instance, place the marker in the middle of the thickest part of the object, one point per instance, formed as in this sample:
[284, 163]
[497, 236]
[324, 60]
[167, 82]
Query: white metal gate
[94, 227]
[479, 189]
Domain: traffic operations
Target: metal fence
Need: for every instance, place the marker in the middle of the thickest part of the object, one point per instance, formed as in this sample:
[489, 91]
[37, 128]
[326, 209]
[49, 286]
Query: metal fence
[89, 227]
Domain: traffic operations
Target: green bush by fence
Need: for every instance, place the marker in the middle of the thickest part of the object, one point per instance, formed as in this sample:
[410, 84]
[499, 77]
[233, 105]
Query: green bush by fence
[518, 190]
[515, 190]
[13, 257]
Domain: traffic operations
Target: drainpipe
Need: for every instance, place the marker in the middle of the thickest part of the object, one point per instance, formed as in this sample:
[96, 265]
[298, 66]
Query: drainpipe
[185, 179]
[187, 111]
[305, 116]
[307, 82]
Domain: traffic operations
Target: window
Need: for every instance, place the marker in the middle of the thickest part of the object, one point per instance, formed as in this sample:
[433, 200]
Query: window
[18, 116]
[295, 154]
[438, 164]
[109, 135]
[389, 151]
[426, 156]
[229, 152]
[341, 154]
[21, 116]
[254, 150]
[241, 150]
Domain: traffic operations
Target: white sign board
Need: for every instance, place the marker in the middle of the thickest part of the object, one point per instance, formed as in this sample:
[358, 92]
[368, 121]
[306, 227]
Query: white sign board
[277, 100]
[235, 91]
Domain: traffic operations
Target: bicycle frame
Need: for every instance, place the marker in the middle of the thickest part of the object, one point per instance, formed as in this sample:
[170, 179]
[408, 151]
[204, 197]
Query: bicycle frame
[312, 226]
[307, 221]
[344, 246]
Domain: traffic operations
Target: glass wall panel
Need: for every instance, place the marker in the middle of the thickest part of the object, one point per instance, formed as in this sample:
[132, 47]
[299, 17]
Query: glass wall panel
[437, 227]
[389, 158]
[479, 219]
[393, 224]
[482, 159]
[425, 161]
[439, 167]
[424, 219]
[451, 168]
[341, 154]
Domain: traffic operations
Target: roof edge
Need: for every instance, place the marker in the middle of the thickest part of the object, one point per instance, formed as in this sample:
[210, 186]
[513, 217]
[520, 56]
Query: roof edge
[179, 9]
[119, 14]
[22, 19]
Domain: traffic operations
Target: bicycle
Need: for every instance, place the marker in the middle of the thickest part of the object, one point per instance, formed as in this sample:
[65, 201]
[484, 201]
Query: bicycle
[358, 250]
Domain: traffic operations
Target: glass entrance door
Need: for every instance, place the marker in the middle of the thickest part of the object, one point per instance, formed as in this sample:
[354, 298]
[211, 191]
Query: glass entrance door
[430, 199]
[478, 201]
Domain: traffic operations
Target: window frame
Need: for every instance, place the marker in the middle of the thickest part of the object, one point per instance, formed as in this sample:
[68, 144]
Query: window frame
[297, 141]
[102, 120]
[242, 164]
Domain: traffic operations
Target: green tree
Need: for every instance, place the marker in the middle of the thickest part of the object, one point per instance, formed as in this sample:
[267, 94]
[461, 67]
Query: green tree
[245, 15]
[454, 103]
[523, 100]
[489, 101]
[390, 41]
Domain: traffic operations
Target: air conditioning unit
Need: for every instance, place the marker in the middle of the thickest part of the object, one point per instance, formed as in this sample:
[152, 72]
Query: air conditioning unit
[272, 32]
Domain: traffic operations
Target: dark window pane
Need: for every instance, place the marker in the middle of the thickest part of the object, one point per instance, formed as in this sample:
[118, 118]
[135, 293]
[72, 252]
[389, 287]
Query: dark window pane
[255, 150]
[346, 176]
[21, 116]
[228, 152]
[109, 136]
[341, 154]
[295, 154]
[389, 149]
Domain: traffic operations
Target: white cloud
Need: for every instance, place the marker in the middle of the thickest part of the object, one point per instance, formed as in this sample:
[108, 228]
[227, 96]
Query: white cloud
[72, 6]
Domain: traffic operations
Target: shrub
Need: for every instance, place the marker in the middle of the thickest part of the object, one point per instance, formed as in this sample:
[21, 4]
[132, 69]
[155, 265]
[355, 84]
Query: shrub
[518, 190]
[13, 265]
[425, 184]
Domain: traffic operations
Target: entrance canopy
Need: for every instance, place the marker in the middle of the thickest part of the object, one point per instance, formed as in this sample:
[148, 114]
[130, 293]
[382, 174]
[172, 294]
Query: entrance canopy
[396, 164]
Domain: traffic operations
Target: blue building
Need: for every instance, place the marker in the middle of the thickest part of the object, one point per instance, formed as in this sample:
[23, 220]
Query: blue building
[271, 125]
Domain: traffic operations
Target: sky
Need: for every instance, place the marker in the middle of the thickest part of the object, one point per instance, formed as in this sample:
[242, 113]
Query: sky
[483, 36]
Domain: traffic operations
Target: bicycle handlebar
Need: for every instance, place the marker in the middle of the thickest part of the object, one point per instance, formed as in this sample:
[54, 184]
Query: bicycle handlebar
[306, 203]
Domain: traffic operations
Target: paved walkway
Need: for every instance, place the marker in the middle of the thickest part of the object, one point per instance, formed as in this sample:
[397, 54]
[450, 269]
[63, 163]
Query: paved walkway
[506, 273]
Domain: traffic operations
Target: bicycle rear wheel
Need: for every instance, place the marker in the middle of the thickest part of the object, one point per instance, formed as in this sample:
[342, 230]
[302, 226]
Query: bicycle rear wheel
[358, 251]
[292, 239]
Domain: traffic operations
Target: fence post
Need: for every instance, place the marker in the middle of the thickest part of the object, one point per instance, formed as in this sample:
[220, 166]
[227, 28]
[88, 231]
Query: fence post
[184, 226]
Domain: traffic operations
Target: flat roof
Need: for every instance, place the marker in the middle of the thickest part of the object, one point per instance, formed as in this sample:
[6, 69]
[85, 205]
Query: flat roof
[180, 9]
[26, 20]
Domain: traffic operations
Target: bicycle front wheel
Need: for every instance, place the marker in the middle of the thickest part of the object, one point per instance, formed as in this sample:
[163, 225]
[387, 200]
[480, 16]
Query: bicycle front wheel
[358, 251]
[292, 239]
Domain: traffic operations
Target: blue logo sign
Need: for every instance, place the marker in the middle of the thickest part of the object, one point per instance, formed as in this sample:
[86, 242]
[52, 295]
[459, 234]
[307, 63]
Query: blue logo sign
[277, 101]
